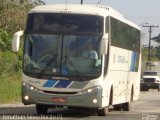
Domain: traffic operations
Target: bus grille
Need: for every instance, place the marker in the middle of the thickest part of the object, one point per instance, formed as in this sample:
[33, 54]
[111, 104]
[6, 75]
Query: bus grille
[53, 92]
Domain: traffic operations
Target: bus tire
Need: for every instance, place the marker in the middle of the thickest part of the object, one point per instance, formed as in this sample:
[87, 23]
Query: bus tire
[103, 111]
[126, 106]
[118, 107]
[41, 109]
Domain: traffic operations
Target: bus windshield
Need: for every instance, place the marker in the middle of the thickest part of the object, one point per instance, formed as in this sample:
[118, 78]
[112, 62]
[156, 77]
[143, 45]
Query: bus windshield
[62, 55]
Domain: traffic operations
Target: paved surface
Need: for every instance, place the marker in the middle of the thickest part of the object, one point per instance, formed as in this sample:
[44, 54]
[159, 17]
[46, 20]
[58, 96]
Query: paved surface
[146, 108]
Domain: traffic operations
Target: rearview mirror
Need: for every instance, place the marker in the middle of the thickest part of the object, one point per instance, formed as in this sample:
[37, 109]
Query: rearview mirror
[16, 41]
[104, 44]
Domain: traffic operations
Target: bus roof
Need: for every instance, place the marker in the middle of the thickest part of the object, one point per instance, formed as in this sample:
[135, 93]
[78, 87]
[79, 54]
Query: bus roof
[82, 9]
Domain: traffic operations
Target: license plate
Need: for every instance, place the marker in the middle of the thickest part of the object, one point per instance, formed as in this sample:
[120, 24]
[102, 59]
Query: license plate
[60, 100]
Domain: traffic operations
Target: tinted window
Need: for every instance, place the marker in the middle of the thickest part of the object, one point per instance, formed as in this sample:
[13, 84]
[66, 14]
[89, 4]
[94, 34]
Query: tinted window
[47, 55]
[124, 36]
[47, 22]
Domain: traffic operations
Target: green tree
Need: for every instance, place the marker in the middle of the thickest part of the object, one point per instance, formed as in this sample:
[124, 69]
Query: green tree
[156, 39]
[157, 48]
[5, 40]
[13, 15]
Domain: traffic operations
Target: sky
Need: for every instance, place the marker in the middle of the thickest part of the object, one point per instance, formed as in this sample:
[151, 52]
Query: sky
[138, 11]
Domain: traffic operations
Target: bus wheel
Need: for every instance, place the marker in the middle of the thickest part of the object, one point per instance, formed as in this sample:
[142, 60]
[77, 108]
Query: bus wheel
[103, 111]
[118, 107]
[41, 109]
[126, 106]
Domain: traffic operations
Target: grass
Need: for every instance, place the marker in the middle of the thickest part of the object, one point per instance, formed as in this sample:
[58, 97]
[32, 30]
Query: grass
[10, 88]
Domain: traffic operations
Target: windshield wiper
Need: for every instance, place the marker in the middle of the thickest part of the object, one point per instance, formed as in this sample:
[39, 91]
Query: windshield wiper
[53, 59]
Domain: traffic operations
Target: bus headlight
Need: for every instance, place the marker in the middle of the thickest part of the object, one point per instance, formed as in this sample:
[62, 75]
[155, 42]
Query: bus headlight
[90, 90]
[24, 83]
[95, 101]
[26, 97]
[31, 87]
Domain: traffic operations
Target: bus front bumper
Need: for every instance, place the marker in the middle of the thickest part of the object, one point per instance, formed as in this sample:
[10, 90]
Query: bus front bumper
[90, 98]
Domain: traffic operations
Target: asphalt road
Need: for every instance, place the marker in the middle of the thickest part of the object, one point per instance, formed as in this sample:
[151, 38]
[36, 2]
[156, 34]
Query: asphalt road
[146, 108]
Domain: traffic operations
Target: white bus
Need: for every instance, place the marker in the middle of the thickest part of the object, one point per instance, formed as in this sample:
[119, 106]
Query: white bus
[79, 56]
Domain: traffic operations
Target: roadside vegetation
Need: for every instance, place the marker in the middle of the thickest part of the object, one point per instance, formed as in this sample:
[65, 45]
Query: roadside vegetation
[12, 18]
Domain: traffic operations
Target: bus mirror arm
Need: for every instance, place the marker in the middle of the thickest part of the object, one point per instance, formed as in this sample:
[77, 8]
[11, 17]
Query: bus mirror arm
[16, 41]
[104, 44]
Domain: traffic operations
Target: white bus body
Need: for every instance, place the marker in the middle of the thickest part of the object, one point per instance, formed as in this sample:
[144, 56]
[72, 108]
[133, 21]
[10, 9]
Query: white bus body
[110, 77]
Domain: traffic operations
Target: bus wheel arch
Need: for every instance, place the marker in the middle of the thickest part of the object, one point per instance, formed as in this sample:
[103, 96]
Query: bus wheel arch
[105, 110]
[126, 106]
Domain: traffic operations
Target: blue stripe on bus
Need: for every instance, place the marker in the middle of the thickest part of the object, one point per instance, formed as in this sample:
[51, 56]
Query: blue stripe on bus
[49, 83]
[133, 61]
[63, 84]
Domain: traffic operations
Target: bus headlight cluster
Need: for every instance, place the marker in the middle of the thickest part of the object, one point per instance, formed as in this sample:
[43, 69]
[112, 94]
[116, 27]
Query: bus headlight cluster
[95, 101]
[31, 87]
[90, 90]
